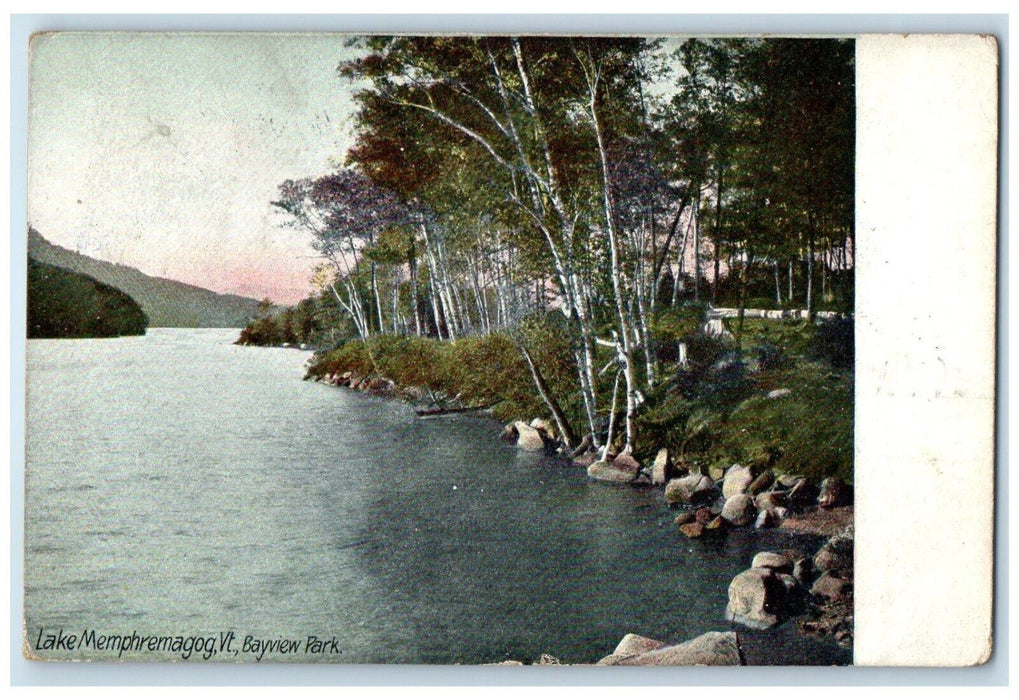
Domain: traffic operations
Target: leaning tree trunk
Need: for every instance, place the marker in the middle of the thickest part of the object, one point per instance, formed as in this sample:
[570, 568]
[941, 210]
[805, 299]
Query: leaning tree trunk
[562, 424]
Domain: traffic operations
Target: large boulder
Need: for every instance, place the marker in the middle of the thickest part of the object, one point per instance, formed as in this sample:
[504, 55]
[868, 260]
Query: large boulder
[528, 439]
[739, 509]
[662, 469]
[609, 472]
[709, 649]
[690, 489]
[737, 480]
[757, 599]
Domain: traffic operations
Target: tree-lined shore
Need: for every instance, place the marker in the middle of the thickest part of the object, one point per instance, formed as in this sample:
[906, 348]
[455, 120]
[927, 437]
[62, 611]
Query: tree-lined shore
[580, 203]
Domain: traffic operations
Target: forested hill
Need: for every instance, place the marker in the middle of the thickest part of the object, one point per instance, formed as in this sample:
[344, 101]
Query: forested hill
[165, 302]
[65, 304]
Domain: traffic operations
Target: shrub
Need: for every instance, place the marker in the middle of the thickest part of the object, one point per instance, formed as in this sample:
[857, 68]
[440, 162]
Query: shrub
[351, 357]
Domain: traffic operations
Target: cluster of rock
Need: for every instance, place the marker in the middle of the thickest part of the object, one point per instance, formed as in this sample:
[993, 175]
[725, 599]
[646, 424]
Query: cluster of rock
[740, 497]
[779, 585]
[371, 384]
[537, 436]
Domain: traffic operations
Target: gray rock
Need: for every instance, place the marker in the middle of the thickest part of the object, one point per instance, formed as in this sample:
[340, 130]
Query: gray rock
[778, 563]
[795, 593]
[739, 509]
[803, 493]
[757, 598]
[763, 481]
[836, 556]
[833, 588]
[803, 570]
[765, 518]
[510, 434]
[737, 480]
[769, 500]
[779, 393]
[709, 649]
[690, 489]
[633, 644]
[626, 463]
[544, 426]
[692, 530]
[379, 386]
[662, 469]
[528, 438]
[585, 459]
[834, 492]
[603, 471]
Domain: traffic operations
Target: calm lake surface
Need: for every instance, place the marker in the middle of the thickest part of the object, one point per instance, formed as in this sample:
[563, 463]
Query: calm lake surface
[178, 485]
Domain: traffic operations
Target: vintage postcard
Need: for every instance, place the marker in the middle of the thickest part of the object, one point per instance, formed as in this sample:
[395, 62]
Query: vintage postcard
[489, 349]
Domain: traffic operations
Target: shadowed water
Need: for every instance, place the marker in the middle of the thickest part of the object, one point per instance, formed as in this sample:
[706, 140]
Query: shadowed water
[181, 485]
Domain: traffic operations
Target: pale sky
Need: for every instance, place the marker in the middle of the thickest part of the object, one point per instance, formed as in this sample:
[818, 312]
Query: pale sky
[163, 151]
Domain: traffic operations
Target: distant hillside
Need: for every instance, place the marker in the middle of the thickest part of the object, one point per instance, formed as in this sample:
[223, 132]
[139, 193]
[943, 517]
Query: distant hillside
[65, 304]
[165, 302]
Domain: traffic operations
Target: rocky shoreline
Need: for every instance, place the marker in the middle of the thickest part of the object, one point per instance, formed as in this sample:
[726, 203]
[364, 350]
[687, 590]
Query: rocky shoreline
[812, 591]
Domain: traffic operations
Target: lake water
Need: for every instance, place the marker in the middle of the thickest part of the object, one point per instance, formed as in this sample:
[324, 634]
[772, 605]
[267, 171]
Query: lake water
[179, 486]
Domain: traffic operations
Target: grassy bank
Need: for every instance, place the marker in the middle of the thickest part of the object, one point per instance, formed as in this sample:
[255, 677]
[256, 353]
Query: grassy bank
[784, 400]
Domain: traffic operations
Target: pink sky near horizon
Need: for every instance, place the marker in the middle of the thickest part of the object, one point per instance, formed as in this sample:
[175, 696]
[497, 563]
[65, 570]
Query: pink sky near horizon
[164, 151]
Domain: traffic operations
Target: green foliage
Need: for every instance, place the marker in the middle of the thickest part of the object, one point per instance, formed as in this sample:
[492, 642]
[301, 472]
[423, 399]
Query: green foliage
[65, 304]
[419, 362]
[791, 337]
[489, 370]
[478, 371]
[296, 325]
[809, 431]
[350, 357]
